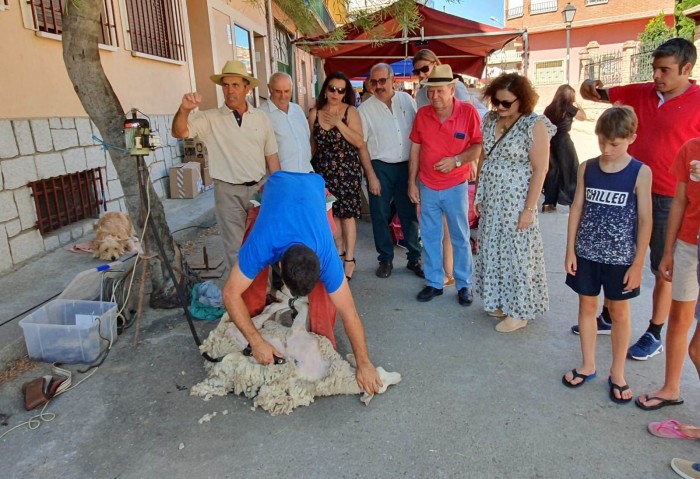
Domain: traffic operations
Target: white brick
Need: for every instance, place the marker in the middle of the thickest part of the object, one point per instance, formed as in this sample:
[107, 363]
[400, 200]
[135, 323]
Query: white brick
[13, 228]
[26, 246]
[42, 135]
[55, 123]
[95, 130]
[111, 171]
[8, 209]
[64, 237]
[88, 226]
[158, 187]
[82, 126]
[158, 171]
[51, 243]
[49, 165]
[95, 157]
[76, 232]
[159, 156]
[64, 139]
[25, 207]
[74, 159]
[18, 172]
[23, 135]
[115, 189]
[67, 123]
[8, 145]
[114, 205]
[5, 257]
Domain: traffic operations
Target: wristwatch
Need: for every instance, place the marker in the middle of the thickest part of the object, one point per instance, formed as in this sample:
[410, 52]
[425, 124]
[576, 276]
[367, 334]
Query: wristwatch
[458, 161]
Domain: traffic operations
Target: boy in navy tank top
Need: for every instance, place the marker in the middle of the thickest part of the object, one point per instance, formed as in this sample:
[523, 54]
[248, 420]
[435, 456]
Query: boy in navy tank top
[609, 230]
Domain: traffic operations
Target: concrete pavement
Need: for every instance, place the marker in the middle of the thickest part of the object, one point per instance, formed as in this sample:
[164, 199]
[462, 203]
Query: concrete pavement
[473, 403]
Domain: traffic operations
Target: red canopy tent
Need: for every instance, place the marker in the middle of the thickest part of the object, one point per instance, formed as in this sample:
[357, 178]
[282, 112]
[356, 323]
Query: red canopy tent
[461, 43]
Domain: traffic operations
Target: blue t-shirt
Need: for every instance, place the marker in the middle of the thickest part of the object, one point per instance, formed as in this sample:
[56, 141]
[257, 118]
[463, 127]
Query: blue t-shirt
[292, 211]
[607, 232]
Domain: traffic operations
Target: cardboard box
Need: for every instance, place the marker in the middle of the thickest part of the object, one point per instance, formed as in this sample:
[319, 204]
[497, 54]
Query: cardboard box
[69, 331]
[196, 150]
[185, 180]
[204, 168]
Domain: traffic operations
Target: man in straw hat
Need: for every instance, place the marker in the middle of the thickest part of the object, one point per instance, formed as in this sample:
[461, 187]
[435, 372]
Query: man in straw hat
[241, 144]
[446, 139]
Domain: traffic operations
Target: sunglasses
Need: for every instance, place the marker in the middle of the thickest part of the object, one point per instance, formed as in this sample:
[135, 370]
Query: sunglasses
[424, 69]
[335, 89]
[381, 81]
[506, 104]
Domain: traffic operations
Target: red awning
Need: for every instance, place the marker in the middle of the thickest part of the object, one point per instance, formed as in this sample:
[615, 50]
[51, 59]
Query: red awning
[461, 43]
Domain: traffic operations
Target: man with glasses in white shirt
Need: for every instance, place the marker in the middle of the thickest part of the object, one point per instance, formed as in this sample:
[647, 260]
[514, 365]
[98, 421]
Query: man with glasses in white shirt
[387, 120]
[290, 125]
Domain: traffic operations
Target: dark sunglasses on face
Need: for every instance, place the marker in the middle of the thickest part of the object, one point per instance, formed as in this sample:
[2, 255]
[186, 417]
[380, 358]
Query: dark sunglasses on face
[424, 69]
[335, 89]
[506, 104]
[381, 81]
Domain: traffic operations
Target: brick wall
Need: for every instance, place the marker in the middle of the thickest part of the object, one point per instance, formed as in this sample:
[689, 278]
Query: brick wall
[584, 13]
[36, 149]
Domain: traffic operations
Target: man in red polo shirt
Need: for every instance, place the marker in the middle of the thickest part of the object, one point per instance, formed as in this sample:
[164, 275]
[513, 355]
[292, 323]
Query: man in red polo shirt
[669, 115]
[446, 139]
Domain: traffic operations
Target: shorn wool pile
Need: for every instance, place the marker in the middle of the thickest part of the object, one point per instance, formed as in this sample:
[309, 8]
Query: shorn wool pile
[312, 369]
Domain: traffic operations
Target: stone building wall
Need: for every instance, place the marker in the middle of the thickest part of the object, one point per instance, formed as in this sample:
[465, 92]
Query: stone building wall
[38, 149]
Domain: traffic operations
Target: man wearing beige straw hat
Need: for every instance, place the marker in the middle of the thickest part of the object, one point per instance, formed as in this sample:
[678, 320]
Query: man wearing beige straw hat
[242, 149]
[446, 139]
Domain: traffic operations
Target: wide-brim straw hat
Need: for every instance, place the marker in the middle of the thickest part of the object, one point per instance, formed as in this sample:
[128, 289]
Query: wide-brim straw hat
[237, 69]
[440, 76]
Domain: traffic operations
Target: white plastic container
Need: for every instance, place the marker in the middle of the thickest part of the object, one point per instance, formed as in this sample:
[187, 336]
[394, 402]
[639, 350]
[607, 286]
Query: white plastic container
[69, 331]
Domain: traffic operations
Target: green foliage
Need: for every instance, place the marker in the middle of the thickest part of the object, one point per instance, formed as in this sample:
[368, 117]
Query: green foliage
[369, 20]
[656, 31]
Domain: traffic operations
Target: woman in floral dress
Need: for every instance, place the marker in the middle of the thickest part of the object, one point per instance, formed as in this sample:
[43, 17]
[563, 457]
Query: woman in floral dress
[510, 269]
[336, 137]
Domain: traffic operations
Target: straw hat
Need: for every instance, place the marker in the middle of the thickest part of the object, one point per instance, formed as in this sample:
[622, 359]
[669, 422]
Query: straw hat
[235, 68]
[440, 76]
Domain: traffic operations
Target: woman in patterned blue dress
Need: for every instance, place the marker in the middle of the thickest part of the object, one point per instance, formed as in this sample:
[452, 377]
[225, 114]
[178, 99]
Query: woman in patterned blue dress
[510, 269]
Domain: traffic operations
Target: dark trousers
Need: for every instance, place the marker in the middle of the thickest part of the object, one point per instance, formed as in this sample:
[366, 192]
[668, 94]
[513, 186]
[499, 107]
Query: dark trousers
[393, 178]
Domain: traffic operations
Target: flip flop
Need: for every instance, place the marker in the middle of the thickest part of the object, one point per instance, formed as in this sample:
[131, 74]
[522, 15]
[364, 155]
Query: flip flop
[663, 402]
[620, 389]
[667, 429]
[576, 375]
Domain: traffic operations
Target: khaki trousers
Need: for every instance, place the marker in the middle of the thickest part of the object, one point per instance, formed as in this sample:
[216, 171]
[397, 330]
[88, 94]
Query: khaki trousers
[232, 203]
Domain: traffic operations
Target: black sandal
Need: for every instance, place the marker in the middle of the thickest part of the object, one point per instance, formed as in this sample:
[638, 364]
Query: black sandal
[350, 261]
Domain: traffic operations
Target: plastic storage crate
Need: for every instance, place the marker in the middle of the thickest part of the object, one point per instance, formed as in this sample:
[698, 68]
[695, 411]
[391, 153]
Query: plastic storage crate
[69, 331]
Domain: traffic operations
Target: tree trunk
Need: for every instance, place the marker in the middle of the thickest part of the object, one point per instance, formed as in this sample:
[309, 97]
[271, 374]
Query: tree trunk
[81, 34]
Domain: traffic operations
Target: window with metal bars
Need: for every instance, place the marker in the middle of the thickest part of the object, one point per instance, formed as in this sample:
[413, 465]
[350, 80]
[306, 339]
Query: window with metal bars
[155, 28]
[549, 71]
[48, 17]
[66, 199]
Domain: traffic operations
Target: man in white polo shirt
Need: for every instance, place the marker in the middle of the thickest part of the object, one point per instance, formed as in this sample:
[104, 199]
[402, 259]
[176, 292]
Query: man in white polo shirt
[290, 125]
[387, 119]
[242, 149]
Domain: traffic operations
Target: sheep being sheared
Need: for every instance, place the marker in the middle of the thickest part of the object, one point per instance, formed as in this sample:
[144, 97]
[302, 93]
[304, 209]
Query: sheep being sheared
[313, 367]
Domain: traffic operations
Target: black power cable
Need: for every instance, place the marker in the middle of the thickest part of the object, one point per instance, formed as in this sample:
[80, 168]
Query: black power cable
[179, 286]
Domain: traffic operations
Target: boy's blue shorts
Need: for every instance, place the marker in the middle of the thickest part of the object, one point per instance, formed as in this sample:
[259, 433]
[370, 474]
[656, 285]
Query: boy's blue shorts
[591, 275]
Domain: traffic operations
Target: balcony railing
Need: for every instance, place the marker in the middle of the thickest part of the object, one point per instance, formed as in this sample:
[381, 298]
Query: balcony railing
[321, 10]
[515, 12]
[509, 56]
[543, 7]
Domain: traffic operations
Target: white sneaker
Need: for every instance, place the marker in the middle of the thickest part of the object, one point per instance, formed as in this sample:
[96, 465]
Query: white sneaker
[686, 469]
